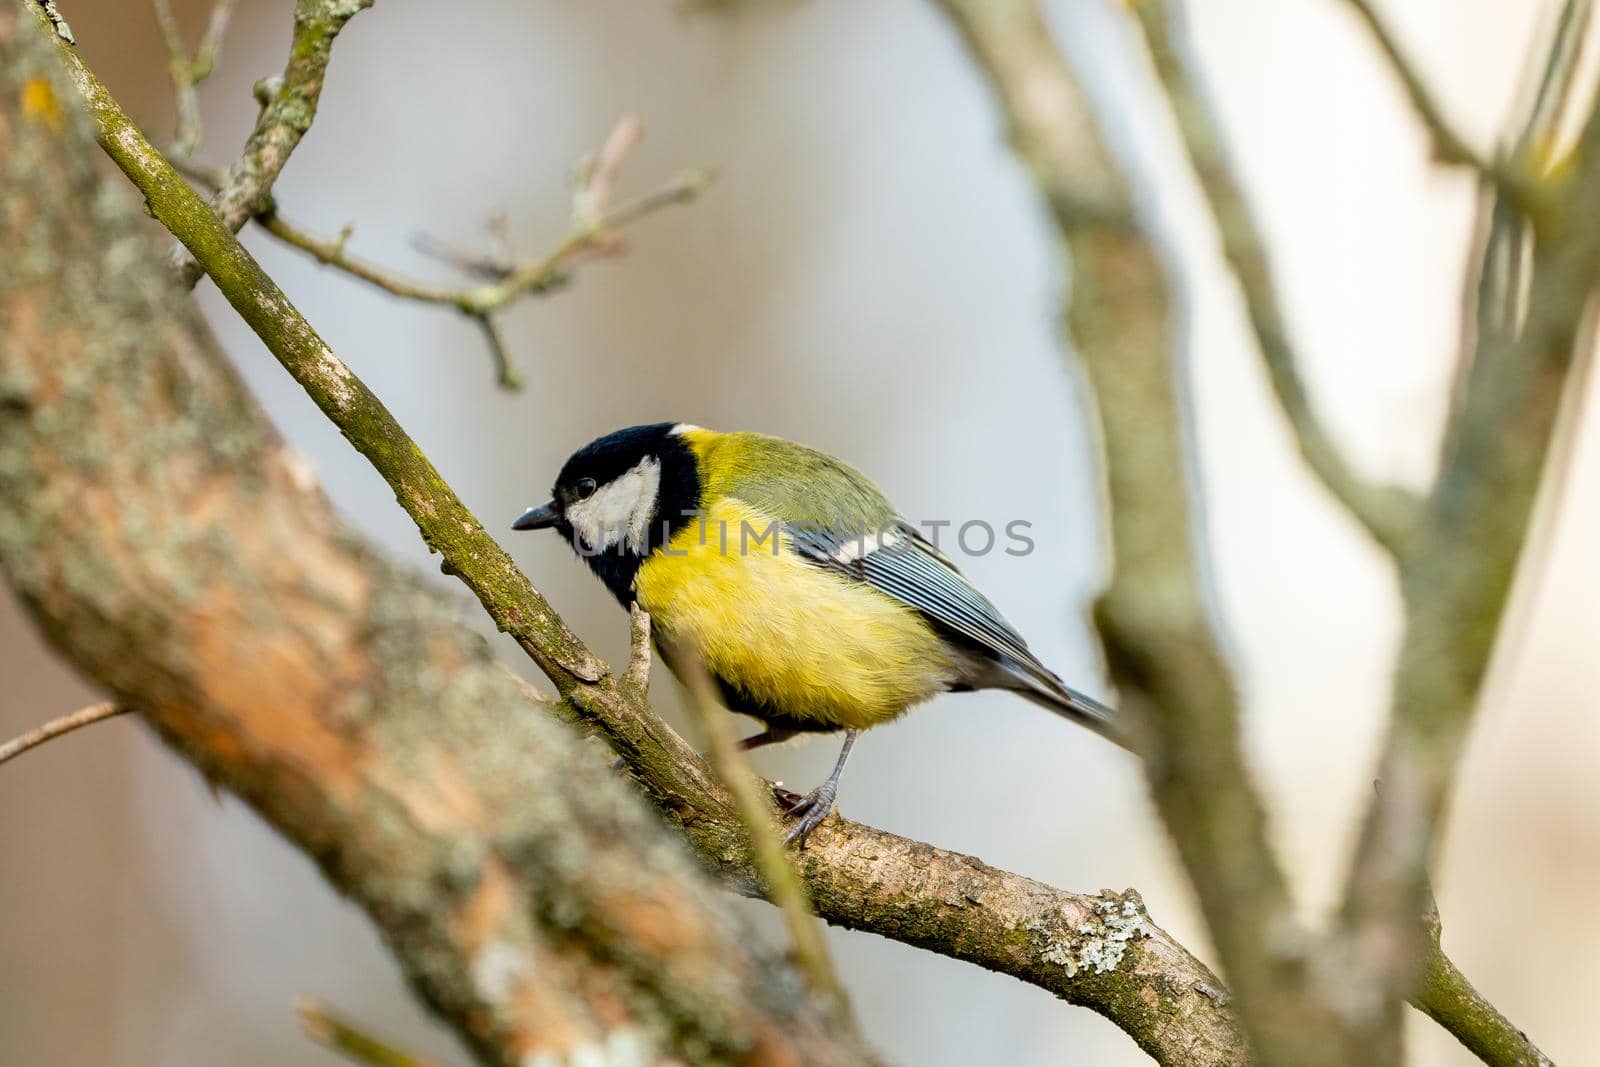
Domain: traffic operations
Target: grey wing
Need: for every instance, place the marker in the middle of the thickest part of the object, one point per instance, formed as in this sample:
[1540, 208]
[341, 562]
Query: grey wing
[902, 564]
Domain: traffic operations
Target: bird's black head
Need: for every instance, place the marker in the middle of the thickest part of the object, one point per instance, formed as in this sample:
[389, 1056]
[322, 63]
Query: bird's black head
[621, 497]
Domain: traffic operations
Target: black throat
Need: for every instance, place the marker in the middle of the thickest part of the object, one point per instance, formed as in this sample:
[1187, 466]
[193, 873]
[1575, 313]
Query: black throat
[678, 499]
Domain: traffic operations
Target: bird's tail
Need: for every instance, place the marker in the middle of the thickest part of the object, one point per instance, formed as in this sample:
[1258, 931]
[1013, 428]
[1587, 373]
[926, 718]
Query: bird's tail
[1045, 689]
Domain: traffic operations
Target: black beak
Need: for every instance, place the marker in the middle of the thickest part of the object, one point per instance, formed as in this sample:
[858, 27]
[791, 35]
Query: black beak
[540, 518]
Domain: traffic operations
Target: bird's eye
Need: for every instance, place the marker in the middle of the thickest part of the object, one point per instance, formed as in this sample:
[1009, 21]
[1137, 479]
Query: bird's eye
[585, 488]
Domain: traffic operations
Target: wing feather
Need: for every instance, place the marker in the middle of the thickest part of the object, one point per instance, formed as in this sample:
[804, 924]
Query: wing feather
[903, 565]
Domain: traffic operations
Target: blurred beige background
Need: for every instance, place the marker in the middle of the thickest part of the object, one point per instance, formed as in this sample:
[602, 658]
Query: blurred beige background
[871, 275]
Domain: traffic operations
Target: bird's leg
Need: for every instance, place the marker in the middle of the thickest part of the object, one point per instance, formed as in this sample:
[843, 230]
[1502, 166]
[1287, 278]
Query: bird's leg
[770, 736]
[809, 811]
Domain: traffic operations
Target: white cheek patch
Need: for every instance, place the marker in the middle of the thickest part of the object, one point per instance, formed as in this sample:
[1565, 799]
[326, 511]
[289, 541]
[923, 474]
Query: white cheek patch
[619, 511]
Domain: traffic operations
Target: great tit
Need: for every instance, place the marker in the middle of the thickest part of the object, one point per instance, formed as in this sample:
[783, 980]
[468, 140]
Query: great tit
[793, 581]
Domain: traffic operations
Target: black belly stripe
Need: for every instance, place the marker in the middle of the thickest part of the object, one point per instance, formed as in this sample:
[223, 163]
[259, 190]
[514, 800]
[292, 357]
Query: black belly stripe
[738, 700]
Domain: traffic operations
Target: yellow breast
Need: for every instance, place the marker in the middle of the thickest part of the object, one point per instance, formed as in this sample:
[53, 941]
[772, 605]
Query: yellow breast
[818, 646]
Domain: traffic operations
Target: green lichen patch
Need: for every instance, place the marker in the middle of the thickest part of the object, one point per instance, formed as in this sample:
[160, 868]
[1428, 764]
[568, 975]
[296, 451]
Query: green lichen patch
[1097, 944]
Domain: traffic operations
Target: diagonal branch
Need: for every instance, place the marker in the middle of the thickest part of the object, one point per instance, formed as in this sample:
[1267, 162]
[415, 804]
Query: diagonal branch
[1389, 514]
[1099, 951]
[1446, 997]
[752, 799]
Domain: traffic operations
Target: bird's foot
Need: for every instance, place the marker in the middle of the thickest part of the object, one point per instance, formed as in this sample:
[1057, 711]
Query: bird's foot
[806, 812]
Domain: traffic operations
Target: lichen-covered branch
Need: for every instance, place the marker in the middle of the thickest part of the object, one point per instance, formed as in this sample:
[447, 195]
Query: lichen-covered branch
[1388, 513]
[289, 108]
[1445, 995]
[1102, 953]
[172, 547]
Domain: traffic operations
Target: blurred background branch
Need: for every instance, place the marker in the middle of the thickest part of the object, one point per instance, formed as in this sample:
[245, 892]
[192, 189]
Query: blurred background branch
[1170, 676]
[56, 727]
[594, 231]
[1511, 177]
[1389, 514]
[1159, 646]
[338, 1034]
[187, 70]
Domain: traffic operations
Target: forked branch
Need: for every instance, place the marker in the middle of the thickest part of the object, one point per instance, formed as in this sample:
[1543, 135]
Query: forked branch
[1389, 514]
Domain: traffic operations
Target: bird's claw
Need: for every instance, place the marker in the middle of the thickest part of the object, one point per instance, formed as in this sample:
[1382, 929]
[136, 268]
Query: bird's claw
[807, 811]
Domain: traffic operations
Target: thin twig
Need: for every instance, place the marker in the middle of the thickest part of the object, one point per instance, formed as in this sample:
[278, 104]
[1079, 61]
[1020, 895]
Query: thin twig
[348, 1040]
[591, 234]
[188, 71]
[56, 727]
[541, 276]
[288, 109]
[1389, 514]
[594, 231]
[598, 176]
[1449, 145]
[494, 266]
[753, 800]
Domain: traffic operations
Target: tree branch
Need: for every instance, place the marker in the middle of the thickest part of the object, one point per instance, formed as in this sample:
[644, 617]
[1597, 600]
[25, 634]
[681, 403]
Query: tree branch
[1389, 514]
[1449, 146]
[1457, 581]
[56, 727]
[595, 230]
[286, 115]
[188, 71]
[1447, 998]
[1152, 618]
[1089, 950]
[1171, 679]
